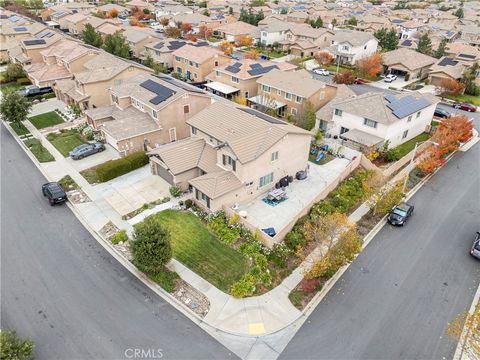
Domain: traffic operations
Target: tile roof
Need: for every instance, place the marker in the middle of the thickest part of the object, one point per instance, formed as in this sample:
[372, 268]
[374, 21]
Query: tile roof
[326, 111]
[410, 59]
[245, 66]
[451, 67]
[355, 38]
[197, 54]
[43, 72]
[247, 135]
[239, 28]
[216, 184]
[298, 82]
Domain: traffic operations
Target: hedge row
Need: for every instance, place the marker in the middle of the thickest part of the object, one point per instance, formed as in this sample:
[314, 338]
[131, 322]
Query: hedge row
[114, 168]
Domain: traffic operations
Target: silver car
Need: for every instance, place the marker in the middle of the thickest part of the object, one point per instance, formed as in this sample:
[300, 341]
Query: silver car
[475, 251]
[84, 150]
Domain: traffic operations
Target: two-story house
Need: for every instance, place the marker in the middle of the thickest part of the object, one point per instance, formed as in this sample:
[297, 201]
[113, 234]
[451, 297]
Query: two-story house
[234, 154]
[147, 111]
[290, 93]
[137, 39]
[234, 31]
[106, 8]
[371, 119]
[274, 32]
[195, 62]
[239, 78]
[162, 51]
[407, 63]
[29, 50]
[349, 46]
[303, 40]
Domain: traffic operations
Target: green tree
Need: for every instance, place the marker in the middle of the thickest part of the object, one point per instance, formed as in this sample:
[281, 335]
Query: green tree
[441, 50]
[424, 45]
[468, 79]
[14, 107]
[318, 23]
[284, 11]
[307, 121]
[459, 13]
[352, 21]
[391, 40]
[387, 198]
[334, 22]
[91, 36]
[14, 72]
[14, 348]
[151, 247]
[117, 45]
[206, 12]
[149, 62]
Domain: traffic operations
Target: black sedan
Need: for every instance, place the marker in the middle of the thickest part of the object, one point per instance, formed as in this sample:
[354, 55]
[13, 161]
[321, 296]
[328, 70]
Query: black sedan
[441, 113]
[54, 192]
[475, 251]
[84, 150]
[399, 214]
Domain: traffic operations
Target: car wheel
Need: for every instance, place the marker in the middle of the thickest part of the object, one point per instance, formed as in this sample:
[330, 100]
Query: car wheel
[43, 192]
[469, 110]
[51, 202]
[80, 157]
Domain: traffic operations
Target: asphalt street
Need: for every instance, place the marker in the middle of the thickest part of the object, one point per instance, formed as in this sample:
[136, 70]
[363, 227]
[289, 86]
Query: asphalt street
[395, 300]
[60, 288]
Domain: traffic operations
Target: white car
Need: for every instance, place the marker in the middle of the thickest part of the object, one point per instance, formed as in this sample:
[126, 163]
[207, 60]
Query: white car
[390, 78]
[321, 72]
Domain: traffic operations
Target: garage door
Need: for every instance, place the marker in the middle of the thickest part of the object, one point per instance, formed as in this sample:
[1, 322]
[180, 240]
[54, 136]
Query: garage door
[110, 140]
[164, 174]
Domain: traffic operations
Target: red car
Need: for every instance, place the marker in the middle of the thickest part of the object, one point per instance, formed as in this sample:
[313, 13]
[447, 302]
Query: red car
[465, 106]
[360, 81]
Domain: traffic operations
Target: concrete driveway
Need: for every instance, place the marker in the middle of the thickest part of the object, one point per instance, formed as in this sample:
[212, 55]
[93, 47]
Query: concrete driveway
[397, 83]
[130, 191]
[47, 106]
[93, 160]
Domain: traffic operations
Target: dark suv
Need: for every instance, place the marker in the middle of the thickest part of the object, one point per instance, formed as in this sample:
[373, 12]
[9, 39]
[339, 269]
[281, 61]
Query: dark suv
[54, 193]
[399, 214]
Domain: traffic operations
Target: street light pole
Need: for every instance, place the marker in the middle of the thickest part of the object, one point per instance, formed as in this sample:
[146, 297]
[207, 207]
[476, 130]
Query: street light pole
[410, 165]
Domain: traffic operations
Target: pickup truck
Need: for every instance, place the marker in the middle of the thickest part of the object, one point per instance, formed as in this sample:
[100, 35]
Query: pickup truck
[35, 90]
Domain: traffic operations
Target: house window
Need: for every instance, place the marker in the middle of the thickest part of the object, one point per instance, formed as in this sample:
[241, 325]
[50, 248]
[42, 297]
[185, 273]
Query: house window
[365, 47]
[117, 82]
[217, 73]
[265, 180]
[405, 133]
[178, 58]
[409, 118]
[246, 94]
[370, 123]
[227, 160]
[186, 109]
[154, 114]
[266, 88]
[338, 112]
[274, 156]
[194, 130]
[195, 75]
[279, 92]
[190, 63]
[418, 114]
[173, 134]
[294, 111]
[179, 70]
[298, 99]
[288, 96]
[196, 65]
[235, 79]
[216, 63]
[114, 99]
[343, 130]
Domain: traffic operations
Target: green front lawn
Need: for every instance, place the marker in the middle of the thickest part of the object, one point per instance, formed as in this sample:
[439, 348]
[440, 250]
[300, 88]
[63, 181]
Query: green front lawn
[11, 87]
[66, 141]
[408, 146]
[45, 120]
[19, 128]
[39, 151]
[270, 53]
[199, 250]
[475, 100]
[333, 69]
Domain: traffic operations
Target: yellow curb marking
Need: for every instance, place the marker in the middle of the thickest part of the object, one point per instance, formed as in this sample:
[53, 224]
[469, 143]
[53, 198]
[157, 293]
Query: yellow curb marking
[256, 328]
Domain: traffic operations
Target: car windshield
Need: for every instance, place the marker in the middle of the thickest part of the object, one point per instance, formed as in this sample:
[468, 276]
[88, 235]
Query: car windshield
[399, 211]
[477, 246]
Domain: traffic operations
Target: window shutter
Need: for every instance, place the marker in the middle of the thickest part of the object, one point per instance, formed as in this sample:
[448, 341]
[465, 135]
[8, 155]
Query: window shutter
[234, 165]
[224, 159]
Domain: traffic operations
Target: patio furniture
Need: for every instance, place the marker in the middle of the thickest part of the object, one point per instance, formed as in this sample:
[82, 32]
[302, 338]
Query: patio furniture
[301, 175]
[270, 231]
[276, 194]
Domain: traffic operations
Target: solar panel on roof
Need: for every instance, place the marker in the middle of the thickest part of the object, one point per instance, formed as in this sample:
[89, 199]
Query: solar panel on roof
[34, 42]
[21, 28]
[161, 91]
[448, 62]
[407, 43]
[200, 44]
[3, 16]
[174, 45]
[407, 106]
[13, 18]
[158, 46]
[256, 65]
[262, 116]
[262, 70]
[467, 56]
[180, 84]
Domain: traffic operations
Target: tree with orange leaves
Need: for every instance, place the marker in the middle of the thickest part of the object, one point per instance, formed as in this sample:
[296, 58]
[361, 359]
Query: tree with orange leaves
[252, 54]
[186, 27]
[191, 37]
[370, 65]
[451, 87]
[245, 40]
[453, 130]
[431, 160]
[112, 14]
[345, 77]
[226, 47]
[323, 58]
[134, 22]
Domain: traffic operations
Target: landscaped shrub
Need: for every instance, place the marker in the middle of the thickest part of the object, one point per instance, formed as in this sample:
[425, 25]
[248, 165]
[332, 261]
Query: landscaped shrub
[244, 287]
[175, 191]
[166, 279]
[49, 95]
[392, 155]
[188, 203]
[114, 168]
[119, 237]
[218, 223]
[23, 81]
[279, 255]
[294, 240]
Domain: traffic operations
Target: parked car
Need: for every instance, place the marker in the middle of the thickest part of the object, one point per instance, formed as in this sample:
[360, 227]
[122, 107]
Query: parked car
[84, 150]
[35, 90]
[390, 78]
[441, 113]
[54, 193]
[465, 106]
[360, 81]
[320, 71]
[475, 251]
[399, 214]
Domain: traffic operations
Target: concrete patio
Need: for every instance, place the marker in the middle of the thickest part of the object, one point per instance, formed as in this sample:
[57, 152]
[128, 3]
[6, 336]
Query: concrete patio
[300, 193]
[130, 191]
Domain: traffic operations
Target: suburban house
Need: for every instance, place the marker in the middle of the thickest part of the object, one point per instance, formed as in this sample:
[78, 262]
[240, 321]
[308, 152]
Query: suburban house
[371, 119]
[162, 50]
[372, 23]
[195, 62]
[467, 54]
[29, 50]
[407, 63]
[410, 29]
[349, 46]
[11, 32]
[146, 110]
[446, 68]
[105, 9]
[171, 10]
[324, 115]
[470, 34]
[234, 154]
[140, 4]
[89, 87]
[239, 78]
[137, 39]
[273, 32]
[74, 23]
[290, 93]
[234, 31]
[303, 40]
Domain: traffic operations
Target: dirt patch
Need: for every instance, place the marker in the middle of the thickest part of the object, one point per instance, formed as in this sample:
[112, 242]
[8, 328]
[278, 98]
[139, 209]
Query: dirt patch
[192, 298]
[77, 196]
[108, 230]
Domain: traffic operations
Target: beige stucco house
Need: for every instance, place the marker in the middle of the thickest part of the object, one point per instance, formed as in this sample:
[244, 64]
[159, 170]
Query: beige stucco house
[408, 63]
[147, 111]
[234, 154]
